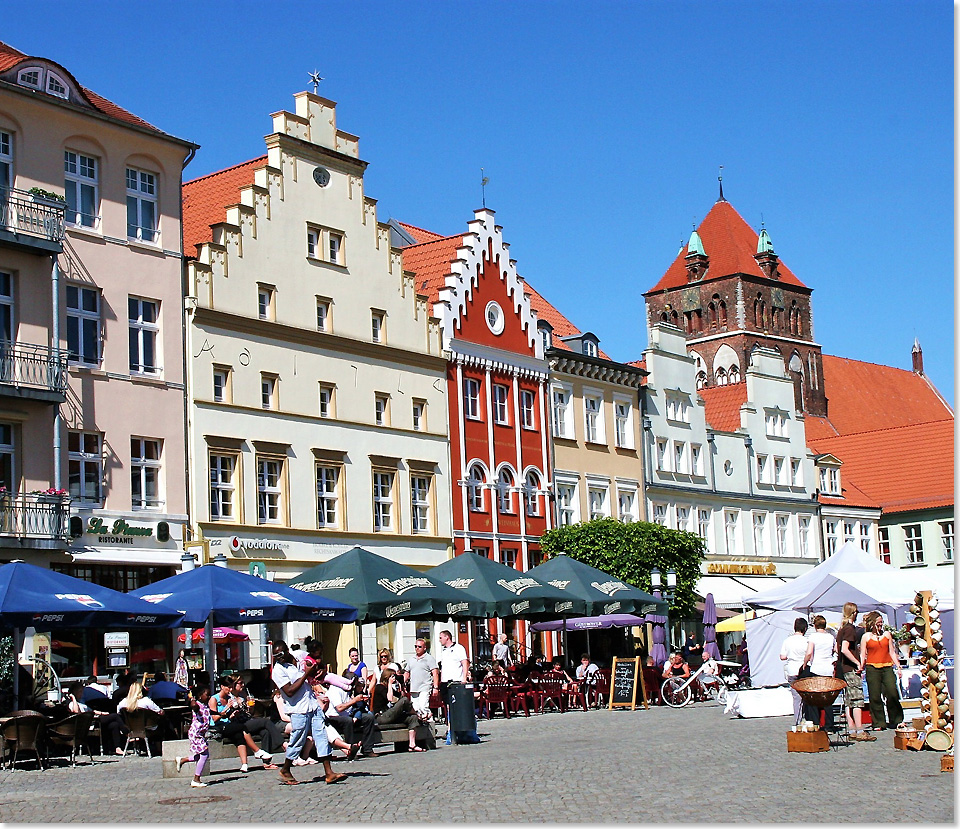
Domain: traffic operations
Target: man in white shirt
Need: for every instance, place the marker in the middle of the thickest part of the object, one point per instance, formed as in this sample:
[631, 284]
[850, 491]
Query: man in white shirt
[453, 662]
[586, 667]
[306, 716]
[423, 678]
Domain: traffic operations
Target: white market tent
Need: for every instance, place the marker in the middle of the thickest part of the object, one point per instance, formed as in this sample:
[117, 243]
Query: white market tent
[848, 575]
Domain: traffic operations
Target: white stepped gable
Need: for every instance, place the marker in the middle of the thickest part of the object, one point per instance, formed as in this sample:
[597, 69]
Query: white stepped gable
[483, 235]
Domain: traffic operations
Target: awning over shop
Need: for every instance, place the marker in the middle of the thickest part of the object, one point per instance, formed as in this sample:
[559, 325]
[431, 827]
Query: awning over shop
[735, 623]
[148, 557]
[731, 591]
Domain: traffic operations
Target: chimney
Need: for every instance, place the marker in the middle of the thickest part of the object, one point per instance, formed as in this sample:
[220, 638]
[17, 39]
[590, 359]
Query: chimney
[917, 354]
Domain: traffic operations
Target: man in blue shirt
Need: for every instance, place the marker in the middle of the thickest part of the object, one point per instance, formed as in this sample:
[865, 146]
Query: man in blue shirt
[164, 690]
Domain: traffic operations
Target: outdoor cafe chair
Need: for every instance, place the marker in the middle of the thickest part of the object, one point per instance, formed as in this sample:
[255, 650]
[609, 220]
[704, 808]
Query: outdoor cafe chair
[143, 724]
[23, 733]
[601, 691]
[71, 733]
[550, 690]
[498, 692]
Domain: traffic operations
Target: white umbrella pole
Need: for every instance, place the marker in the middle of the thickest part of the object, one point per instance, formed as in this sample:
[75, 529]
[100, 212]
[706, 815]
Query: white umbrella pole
[210, 653]
[16, 668]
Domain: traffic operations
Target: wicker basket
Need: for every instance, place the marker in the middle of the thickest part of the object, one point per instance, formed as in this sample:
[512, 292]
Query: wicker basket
[819, 691]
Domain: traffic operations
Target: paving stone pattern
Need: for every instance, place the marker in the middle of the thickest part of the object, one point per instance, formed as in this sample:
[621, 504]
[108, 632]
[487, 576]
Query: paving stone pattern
[580, 767]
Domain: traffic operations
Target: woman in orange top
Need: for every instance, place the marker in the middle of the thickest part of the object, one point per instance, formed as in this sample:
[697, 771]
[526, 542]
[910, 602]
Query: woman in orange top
[879, 656]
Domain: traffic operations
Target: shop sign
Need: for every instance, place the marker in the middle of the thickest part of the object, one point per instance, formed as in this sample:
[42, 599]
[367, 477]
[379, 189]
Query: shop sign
[116, 639]
[731, 569]
[236, 544]
[119, 532]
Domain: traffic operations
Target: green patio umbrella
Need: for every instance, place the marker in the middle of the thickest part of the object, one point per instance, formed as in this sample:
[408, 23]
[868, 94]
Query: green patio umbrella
[384, 590]
[504, 590]
[602, 593]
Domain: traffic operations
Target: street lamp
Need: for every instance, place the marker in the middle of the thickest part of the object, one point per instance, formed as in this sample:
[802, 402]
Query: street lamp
[669, 593]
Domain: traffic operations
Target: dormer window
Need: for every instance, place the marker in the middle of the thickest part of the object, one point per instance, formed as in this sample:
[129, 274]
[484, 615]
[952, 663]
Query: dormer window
[30, 77]
[35, 77]
[830, 481]
[546, 336]
[589, 348]
[56, 86]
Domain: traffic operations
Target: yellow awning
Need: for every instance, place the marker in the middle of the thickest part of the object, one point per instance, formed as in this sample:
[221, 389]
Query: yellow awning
[734, 623]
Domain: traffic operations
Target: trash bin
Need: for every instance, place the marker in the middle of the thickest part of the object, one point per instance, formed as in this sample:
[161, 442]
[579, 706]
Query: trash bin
[462, 714]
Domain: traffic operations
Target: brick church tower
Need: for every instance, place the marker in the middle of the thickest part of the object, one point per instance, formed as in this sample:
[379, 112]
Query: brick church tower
[730, 293]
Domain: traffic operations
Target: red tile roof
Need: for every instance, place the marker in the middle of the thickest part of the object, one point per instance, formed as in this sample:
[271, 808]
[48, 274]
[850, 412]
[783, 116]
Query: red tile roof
[722, 406]
[10, 57]
[419, 234]
[902, 469]
[730, 243]
[206, 199]
[853, 496]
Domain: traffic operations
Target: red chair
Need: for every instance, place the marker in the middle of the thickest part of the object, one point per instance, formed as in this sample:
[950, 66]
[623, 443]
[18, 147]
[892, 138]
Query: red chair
[550, 690]
[601, 691]
[498, 692]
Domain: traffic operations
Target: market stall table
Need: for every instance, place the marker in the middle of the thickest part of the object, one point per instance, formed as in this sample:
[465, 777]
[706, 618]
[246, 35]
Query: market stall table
[760, 702]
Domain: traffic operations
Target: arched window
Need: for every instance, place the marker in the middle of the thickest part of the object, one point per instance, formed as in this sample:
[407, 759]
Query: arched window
[475, 482]
[734, 374]
[758, 311]
[701, 380]
[721, 377]
[675, 319]
[531, 488]
[722, 310]
[799, 331]
[712, 316]
[663, 317]
[504, 487]
[814, 377]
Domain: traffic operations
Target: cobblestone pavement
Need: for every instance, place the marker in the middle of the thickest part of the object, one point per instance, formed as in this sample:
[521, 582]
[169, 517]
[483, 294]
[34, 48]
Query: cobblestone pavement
[581, 767]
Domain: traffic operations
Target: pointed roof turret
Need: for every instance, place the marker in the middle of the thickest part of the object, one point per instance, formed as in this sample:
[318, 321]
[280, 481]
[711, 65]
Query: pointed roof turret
[764, 245]
[695, 245]
[696, 259]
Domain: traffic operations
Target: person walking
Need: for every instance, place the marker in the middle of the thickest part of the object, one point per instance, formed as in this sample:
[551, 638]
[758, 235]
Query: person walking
[199, 746]
[879, 655]
[793, 652]
[850, 670]
[821, 657]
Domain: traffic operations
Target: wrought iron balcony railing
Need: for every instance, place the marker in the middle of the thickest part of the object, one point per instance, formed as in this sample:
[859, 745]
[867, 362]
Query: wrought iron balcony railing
[32, 516]
[32, 368]
[26, 214]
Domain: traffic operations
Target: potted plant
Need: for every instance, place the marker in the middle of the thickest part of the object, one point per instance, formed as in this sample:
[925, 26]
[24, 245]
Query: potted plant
[47, 197]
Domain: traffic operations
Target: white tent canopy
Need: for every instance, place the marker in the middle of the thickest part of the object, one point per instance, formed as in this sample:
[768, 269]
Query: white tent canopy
[887, 592]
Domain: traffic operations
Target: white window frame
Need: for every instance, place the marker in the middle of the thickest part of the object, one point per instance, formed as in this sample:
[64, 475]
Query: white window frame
[326, 245]
[81, 177]
[223, 487]
[270, 506]
[505, 487]
[731, 521]
[627, 505]
[56, 86]
[779, 465]
[328, 495]
[531, 494]
[782, 528]
[501, 395]
[142, 206]
[567, 504]
[383, 481]
[762, 468]
[471, 398]
[378, 326]
[864, 536]
[680, 457]
[831, 535]
[8, 322]
[31, 76]
[85, 319]
[323, 314]
[334, 247]
[703, 523]
[696, 459]
[946, 540]
[659, 511]
[561, 404]
[684, 514]
[830, 481]
[527, 409]
[803, 533]
[593, 426]
[796, 472]
[222, 384]
[269, 398]
[418, 411]
[598, 500]
[6, 159]
[546, 337]
[849, 531]
[381, 409]
[420, 485]
[8, 457]
[326, 396]
[663, 459]
[677, 407]
[913, 543]
[142, 333]
[266, 302]
[883, 544]
[589, 348]
[776, 423]
[314, 240]
[475, 483]
[144, 471]
[623, 423]
[759, 533]
[82, 461]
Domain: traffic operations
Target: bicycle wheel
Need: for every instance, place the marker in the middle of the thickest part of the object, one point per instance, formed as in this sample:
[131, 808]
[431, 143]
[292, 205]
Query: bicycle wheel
[673, 693]
[722, 694]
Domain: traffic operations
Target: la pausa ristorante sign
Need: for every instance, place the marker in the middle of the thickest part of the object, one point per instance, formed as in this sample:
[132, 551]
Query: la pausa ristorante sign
[120, 531]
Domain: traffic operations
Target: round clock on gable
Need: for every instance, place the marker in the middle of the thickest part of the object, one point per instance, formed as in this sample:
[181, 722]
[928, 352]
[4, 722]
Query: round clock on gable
[494, 314]
[321, 176]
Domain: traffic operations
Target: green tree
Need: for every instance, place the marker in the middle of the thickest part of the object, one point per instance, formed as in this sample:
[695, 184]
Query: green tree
[631, 551]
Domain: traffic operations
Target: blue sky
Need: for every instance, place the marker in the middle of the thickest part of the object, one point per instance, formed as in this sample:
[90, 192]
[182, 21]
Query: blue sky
[601, 127]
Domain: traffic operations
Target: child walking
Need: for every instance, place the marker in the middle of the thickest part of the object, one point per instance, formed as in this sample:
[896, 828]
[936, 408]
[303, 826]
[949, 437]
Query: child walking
[199, 748]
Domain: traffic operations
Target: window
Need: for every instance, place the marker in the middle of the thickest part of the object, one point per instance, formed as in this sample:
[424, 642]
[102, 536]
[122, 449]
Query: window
[504, 493]
[776, 422]
[598, 502]
[531, 494]
[313, 242]
[622, 424]
[593, 418]
[327, 400]
[526, 409]
[475, 482]
[761, 469]
[804, 533]
[734, 374]
[946, 539]
[703, 523]
[500, 404]
[328, 480]
[627, 505]
[268, 391]
[222, 487]
[335, 248]
[7, 456]
[508, 557]
[567, 504]
[7, 330]
[883, 539]
[419, 415]
[471, 398]
[796, 474]
[683, 519]
[383, 501]
[778, 471]
[546, 337]
[420, 503]
[678, 408]
[848, 534]
[29, 77]
[222, 384]
[495, 318]
[83, 325]
[759, 532]
[323, 314]
[325, 245]
[56, 85]
[6, 159]
[830, 481]
[377, 321]
[269, 490]
[662, 457]
[660, 514]
[562, 412]
[783, 524]
[831, 535]
[85, 467]
[865, 537]
[730, 521]
[81, 188]
[381, 410]
[679, 456]
[696, 459]
[589, 348]
[266, 310]
[142, 214]
[144, 328]
[145, 473]
[914, 543]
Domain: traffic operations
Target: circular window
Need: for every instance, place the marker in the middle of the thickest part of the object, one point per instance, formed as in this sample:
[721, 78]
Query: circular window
[494, 317]
[321, 176]
[728, 467]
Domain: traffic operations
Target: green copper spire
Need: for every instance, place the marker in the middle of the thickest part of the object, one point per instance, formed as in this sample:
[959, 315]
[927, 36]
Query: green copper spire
[764, 245]
[695, 246]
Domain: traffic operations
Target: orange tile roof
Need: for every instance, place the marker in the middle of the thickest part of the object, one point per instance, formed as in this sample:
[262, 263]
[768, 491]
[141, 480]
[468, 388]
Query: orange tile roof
[730, 243]
[853, 496]
[205, 200]
[10, 57]
[902, 469]
[419, 234]
[722, 406]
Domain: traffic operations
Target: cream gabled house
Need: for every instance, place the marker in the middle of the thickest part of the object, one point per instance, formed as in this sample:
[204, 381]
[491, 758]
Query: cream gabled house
[317, 405]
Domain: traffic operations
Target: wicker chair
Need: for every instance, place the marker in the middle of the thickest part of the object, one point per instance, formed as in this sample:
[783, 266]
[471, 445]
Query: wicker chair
[143, 724]
[23, 734]
[71, 733]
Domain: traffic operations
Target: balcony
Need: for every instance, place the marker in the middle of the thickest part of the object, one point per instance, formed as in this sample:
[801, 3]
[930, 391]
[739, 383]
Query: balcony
[33, 372]
[30, 222]
[34, 521]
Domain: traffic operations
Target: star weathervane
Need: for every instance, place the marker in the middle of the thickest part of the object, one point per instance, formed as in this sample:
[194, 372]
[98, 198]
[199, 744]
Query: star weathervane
[315, 80]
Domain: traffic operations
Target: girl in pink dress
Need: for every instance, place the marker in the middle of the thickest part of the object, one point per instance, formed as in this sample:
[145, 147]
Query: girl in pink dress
[199, 748]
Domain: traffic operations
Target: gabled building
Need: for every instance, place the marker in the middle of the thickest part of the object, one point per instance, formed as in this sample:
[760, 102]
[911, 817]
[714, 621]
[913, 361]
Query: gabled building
[497, 392]
[317, 397]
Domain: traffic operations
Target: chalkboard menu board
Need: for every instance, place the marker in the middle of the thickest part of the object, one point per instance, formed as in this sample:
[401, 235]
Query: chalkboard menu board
[624, 679]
